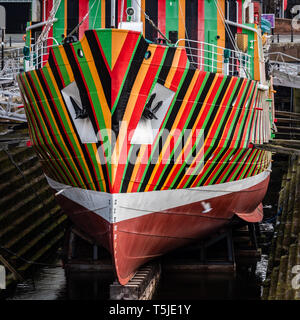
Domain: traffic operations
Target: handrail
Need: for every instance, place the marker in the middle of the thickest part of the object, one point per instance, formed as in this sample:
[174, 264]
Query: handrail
[212, 58]
[283, 54]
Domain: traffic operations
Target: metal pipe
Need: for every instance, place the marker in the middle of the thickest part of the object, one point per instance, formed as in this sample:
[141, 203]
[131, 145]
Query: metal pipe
[2, 50]
[240, 25]
[40, 24]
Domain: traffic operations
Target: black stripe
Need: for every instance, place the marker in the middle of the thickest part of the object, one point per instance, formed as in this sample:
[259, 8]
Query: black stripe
[208, 155]
[251, 97]
[60, 126]
[128, 84]
[80, 83]
[45, 118]
[102, 70]
[191, 26]
[117, 13]
[152, 11]
[245, 162]
[166, 66]
[54, 70]
[190, 124]
[34, 123]
[229, 171]
[107, 14]
[239, 110]
[72, 15]
[60, 86]
[130, 166]
[176, 106]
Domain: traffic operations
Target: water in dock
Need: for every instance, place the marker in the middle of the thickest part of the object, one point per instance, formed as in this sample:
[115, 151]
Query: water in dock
[52, 284]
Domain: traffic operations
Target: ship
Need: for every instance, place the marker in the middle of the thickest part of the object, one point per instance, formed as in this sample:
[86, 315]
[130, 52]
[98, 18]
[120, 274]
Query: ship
[146, 116]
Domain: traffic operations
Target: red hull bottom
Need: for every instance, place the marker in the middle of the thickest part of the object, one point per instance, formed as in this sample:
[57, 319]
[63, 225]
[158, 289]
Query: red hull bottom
[133, 242]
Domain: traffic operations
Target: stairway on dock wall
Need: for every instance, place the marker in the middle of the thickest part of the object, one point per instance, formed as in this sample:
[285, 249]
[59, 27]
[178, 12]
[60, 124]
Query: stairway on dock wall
[32, 224]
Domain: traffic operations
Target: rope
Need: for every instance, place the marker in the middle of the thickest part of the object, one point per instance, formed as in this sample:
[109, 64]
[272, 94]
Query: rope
[96, 13]
[152, 23]
[83, 19]
[230, 35]
[186, 34]
[44, 34]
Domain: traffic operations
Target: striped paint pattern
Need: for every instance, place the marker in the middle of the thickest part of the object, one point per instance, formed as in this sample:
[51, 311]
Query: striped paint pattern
[113, 73]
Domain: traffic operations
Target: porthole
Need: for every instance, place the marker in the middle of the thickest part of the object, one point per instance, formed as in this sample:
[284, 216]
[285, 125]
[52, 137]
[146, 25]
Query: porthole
[80, 53]
[147, 55]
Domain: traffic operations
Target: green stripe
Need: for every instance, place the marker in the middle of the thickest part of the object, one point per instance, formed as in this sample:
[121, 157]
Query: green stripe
[211, 32]
[95, 165]
[47, 140]
[62, 66]
[65, 124]
[95, 14]
[245, 116]
[212, 106]
[164, 123]
[249, 162]
[59, 25]
[247, 138]
[172, 15]
[129, 64]
[230, 167]
[186, 123]
[242, 161]
[153, 85]
[127, 162]
[90, 82]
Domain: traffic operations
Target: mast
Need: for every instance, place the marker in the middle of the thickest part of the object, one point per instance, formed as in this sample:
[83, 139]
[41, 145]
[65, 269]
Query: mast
[133, 17]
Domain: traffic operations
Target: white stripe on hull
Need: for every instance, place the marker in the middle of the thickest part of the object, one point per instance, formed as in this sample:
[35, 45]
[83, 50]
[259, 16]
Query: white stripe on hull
[116, 207]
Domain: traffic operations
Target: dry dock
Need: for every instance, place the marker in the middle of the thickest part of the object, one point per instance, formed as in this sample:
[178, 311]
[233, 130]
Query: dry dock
[283, 275]
[31, 222]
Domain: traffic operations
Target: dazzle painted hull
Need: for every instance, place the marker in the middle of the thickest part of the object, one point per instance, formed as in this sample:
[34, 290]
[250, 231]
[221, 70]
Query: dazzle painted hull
[141, 185]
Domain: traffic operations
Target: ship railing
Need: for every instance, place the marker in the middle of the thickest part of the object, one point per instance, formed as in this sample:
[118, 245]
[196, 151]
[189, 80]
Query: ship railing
[12, 64]
[37, 55]
[212, 58]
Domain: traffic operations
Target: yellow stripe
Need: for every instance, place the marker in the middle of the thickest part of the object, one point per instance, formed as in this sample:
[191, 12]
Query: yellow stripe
[96, 153]
[173, 68]
[136, 167]
[103, 13]
[129, 111]
[117, 42]
[143, 5]
[100, 92]
[221, 34]
[256, 59]
[66, 63]
[192, 132]
[174, 126]
[66, 17]
[48, 137]
[181, 20]
[69, 123]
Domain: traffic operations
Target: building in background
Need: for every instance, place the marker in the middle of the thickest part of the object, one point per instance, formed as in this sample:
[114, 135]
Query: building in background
[17, 14]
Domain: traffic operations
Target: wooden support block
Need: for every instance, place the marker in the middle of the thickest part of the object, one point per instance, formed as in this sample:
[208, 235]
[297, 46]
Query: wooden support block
[140, 287]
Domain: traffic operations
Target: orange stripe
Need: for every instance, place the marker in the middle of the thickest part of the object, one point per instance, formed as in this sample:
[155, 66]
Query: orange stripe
[174, 126]
[54, 121]
[139, 81]
[192, 131]
[181, 19]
